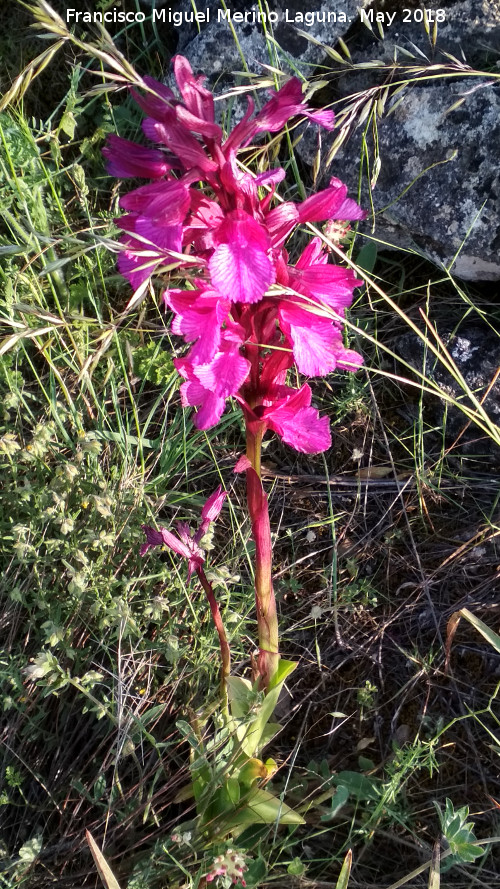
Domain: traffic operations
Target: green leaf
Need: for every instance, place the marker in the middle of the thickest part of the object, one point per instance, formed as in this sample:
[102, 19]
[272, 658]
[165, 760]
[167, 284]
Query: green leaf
[360, 786]
[68, 124]
[261, 807]
[367, 257]
[453, 827]
[345, 872]
[296, 868]
[257, 871]
[254, 738]
[339, 800]
[282, 673]
[269, 731]
[30, 850]
[119, 437]
[233, 790]
[222, 803]
[241, 696]
[469, 852]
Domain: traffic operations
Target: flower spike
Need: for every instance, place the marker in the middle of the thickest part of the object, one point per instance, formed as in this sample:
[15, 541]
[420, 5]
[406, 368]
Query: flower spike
[206, 216]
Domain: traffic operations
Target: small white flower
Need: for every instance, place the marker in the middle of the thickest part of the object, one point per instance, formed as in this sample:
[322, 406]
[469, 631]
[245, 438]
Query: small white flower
[41, 665]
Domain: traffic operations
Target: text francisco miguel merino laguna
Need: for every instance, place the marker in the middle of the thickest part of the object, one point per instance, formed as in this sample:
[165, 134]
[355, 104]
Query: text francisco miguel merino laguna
[178, 18]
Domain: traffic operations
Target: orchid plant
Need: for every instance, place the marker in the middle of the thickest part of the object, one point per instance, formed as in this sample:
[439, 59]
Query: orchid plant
[250, 316]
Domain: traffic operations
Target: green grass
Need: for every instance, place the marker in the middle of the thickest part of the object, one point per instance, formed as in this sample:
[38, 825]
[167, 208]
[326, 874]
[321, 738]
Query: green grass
[391, 736]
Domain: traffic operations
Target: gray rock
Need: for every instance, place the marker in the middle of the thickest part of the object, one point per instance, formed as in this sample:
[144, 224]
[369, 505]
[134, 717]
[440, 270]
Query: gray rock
[467, 29]
[438, 190]
[475, 349]
[214, 51]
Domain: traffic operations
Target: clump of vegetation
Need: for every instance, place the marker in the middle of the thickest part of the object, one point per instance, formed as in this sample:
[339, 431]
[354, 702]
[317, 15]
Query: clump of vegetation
[390, 728]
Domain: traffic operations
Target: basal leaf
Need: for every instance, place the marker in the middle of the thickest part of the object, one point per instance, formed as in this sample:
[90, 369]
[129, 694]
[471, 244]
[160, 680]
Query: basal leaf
[261, 807]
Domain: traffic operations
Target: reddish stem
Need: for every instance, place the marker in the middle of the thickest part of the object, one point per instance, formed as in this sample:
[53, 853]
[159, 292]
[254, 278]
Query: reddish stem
[219, 626]
[267, 618]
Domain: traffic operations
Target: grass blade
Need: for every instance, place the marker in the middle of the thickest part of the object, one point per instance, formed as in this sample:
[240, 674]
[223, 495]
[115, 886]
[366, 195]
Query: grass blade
[490, 635]
[345, 872]
[105, 872]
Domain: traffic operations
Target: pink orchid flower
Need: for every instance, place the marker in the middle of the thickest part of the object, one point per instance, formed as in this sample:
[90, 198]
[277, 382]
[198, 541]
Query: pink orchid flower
[205, 215]
[189, 547]
[186, 544]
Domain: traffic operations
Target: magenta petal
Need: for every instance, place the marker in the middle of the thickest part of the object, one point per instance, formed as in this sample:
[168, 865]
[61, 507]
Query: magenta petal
[155, 130]
[163, 537]
[270, 177]
[213, 506]
[351, 211]
[323, 204]
[134, 268]
[210, 412]
[236, 182]
[186, 546]
[280, 221]
[149, 249]
[126, 160]
[164, 237]
[198, 125]
[313, 340]
[330, 203]
[240, 268]
[198, 100]
[188, 150]
[299, 424]
[318, 347]
[153, 538]
[242, 464]
[224, 375]
[289, 401]
[157, 103]
[199, 316]
[348, 359]
[209, 385]
[184, 533]
[137, 262]
[289, 102]
[316, 278]
[194, 394]
[210, 512]
[173, 542]
[275, 368]
[166, 203]
[333, 284]
[284, 104]
[313, 253]
[324, 118]
[180, 142]
[307, 432]
[243, 131]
